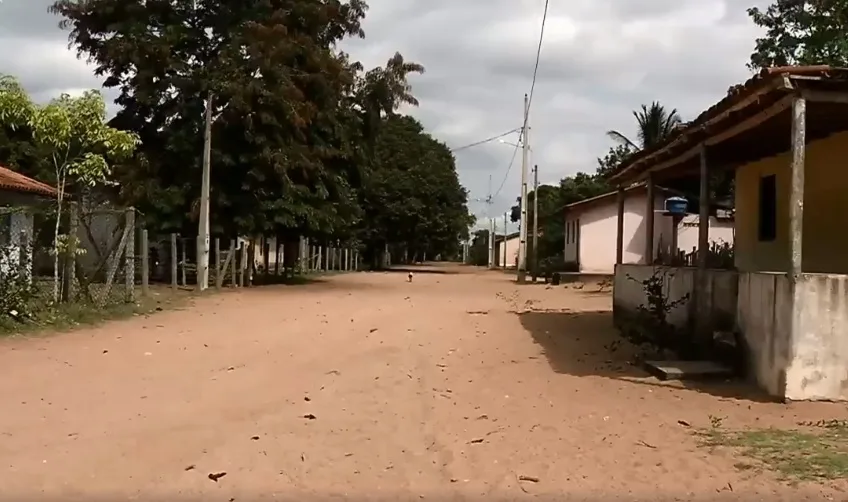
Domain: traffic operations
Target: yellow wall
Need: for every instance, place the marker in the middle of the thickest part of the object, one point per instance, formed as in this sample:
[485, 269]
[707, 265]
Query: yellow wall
[825, 248]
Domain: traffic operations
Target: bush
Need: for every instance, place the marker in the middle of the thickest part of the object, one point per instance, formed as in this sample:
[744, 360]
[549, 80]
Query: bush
[17, 290]
[651, 326]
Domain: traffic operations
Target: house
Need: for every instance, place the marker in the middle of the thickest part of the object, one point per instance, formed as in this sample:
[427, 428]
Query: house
[590, 230]
[18, 195]
[506, 250]
[784, 133]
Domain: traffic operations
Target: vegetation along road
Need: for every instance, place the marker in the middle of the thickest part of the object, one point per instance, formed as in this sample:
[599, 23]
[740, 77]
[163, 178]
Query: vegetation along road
[455, 386]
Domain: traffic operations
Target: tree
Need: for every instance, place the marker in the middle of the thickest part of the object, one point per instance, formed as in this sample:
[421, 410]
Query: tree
[72, 131]
[655, 124]
[801, 32]
[613, 160]
[412, 195]
[284, 142]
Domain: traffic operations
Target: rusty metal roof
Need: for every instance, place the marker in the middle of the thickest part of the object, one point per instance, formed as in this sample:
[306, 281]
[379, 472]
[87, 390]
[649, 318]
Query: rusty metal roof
[738, 96]
[17, 182]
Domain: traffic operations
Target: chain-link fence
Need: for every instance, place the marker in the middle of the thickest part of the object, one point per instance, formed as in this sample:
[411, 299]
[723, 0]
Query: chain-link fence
[81, 255]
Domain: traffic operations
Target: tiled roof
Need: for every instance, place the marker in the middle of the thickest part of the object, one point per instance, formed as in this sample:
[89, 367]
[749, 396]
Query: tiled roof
[745, 94]
[17, 182]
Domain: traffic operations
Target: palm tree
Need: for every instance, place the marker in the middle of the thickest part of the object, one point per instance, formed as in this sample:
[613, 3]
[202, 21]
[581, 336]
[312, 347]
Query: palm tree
[655, 124]
[383, 90]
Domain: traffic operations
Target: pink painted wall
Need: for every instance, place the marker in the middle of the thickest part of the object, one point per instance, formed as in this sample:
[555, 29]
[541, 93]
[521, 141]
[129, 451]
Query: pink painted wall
[595, 240]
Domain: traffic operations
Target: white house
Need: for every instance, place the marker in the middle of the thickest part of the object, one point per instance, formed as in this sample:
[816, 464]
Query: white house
[591, 230]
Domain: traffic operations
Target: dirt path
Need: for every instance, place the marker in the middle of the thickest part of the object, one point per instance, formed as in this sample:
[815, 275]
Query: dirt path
[435, 389]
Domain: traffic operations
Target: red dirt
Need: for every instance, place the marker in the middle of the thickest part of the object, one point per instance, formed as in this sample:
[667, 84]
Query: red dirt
[430, 389]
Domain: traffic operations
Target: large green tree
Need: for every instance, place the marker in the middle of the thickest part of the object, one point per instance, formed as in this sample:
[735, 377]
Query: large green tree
[304, 141]
[284, 140]
[801, 32]
[412, 197]
[655, 123]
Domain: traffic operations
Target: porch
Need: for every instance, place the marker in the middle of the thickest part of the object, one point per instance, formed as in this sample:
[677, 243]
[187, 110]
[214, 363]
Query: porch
[783, 136]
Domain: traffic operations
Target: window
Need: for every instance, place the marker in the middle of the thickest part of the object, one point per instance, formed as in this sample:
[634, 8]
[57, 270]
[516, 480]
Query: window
[568, 232]
[768, 208]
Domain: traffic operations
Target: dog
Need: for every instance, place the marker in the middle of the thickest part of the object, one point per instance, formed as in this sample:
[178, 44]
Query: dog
[409, 277]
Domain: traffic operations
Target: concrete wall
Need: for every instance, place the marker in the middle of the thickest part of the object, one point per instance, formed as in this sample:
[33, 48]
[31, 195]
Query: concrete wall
[796, 340]
[764, 318]
[19, 222]
[721, 231]
[825, 209]
[721, 292]
[819, 366]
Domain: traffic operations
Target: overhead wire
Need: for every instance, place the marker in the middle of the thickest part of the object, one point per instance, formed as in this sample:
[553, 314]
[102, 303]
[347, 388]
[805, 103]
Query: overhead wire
[484, 141]
[529, 99]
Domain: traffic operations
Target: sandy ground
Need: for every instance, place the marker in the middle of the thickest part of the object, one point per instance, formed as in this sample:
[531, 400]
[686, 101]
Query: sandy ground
[365, 386]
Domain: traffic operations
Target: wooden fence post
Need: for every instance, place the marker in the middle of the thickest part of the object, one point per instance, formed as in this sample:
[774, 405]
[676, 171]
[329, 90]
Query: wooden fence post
[145, 264]
[277, 256]
[129, 255]
[233, 263]
[174, 261]
[251, 260]
[242, 263]
[183, 262]
[219, 279]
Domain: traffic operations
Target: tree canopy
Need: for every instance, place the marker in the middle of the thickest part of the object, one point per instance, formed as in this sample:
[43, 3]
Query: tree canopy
[801, 32]
[412, 195]
[302, 136]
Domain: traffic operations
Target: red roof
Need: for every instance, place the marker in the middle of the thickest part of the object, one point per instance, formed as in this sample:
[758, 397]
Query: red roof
[17, 182]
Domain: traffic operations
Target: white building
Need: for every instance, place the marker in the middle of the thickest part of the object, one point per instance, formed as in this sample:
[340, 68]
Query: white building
[591, 227]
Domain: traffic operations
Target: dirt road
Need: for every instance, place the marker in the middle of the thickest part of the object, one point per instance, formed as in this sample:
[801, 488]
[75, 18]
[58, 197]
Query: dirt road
[366, 387]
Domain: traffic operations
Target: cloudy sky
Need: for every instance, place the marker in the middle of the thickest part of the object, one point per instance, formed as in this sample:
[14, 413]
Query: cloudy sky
[600, 60]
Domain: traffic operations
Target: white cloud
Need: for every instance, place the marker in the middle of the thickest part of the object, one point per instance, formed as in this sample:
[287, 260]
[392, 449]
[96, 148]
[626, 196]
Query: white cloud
[601, 59]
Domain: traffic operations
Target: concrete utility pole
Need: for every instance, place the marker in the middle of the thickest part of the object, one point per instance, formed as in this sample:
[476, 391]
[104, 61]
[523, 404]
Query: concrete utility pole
[535, 222]
[491, 263]
[522, 230]
[504, 241]
[203, 221]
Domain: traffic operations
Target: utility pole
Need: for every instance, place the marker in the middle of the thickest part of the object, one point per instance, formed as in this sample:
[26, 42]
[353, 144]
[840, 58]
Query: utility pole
[491, 263]
[504, 242]
[522, 230]
[535, 222]
[203, 221]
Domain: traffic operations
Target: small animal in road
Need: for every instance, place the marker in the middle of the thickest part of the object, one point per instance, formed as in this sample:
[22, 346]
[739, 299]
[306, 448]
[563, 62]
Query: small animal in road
[409, 277]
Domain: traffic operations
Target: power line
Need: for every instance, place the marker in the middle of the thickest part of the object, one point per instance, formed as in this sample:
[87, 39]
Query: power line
[509, 167]
[530, 99]
[487, 140]
[538, 57]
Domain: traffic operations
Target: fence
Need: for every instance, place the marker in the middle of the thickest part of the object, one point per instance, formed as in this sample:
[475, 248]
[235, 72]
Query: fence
[244, 262]
[93, 261]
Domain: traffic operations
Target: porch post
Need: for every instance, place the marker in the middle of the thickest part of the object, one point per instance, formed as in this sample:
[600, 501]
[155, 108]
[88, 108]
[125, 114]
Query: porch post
[796, 194]
[619, 240]
[649, 220]
[704, 213]
[701, 291]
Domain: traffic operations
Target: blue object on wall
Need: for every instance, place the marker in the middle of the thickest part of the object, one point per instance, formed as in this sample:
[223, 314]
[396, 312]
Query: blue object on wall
[676, 205]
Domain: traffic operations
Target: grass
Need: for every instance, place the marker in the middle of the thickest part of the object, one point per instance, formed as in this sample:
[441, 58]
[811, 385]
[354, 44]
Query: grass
[69, 316]
[813, 452]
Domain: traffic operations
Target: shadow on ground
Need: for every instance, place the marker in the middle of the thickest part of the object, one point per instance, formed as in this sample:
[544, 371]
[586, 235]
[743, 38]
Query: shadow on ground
[422, 269]
[587, 344]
